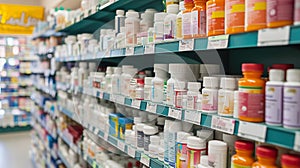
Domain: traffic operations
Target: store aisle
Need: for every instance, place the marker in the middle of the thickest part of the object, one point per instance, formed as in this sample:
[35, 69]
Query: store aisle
[14, 150]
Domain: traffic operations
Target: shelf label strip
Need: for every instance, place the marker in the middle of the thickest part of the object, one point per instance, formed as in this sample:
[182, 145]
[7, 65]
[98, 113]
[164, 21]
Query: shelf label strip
[223, 124]
[252, 131]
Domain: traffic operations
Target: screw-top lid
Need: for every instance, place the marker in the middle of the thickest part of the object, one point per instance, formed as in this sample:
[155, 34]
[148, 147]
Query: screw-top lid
[132, 14]
[109, 70]
[139, 126]
[117, 70]
[148, 80]
[252, 67]
[125, 68]
[182, 136]
[161, 120]
[204, 160]
[209, 68]
[162, 67]
[228, 83]
[150, 130]
[266, 151]
[154, 139]
[120, 12]
[173, 8]
[293, 75]
[290, 160]
[276, 75]
[244, 145]
[194, 86]
[140, 81]
[196, 142]
[211, 82]
[188, 1]
[159, 17]
[180, 85]
[93, 41]
[181, 6]
[284, 67]
[217, 145]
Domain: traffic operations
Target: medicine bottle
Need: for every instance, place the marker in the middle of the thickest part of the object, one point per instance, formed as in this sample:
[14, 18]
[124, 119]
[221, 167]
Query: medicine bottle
[174, 127]
[148, 132]
[181, 149]
[179, 91]
[251, 93]
[226, 96]
[159, 26]
[187, 19]
[199, 19]
[151, 35]
[161, 75]
[266, 157]
[256, 15]
[210, 94]
[192, 95]
[140, 136]
[217, 154]
[291, 100]
[119, 20]
[139, 91]
[215, 13]
[166, 140]
[115, 80]
[108, 76]
[203, 162]
[234, 16]
[274, 97]
[244, 154]
[154, 146]
[195, 148]
[297, 12]
[120, 39]
[132, 27]
[170, 2]
[147, 88]
[179, 21]
[290, 161]
[280, 13]
[170, 22]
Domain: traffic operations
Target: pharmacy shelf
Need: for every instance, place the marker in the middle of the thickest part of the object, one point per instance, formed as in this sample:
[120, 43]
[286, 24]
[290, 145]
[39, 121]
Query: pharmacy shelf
[92, 162]
[73, 146]
[90, 20]
[15, 129]
[63, 159]
[48, 90]
[51, 133]
[52, 152]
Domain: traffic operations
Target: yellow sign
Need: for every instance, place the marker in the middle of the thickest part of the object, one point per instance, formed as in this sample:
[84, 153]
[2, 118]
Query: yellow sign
[19, 19]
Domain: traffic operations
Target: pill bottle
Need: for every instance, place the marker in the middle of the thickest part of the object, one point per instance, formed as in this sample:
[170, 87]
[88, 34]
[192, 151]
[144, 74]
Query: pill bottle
[283, 67]
[226, 96]
[192, 95]
[290, 161]
[266, 157]
[280, 13]
[159, 26]
[199, 102]
[187, 19]
[199, 19]
[158, 82]
[179, 91]
[181, 149]
[210, 94]
[251, 93]
[166, 141]
[234, 16]
[179, 21]
[132, 26]
[297, 12]
[256, 15]
[174, 127]
[119, 20]
[170, 22]
[148, 132]
[154, 146]
[215, 14]
[291, 100]
[125, 79]
[244, 154]
[217, 154]
[140, 136]
[139, 91]
[151, 35]
[147, 88]
[274, 97]
[203, 162]
[115, 80]
[195, 148]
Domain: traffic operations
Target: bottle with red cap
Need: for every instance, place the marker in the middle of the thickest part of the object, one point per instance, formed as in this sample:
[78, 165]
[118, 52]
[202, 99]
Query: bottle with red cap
[266, 157]
[244, 154]
[290, 161]
[139, 91]
[251, 93]
[283, 67]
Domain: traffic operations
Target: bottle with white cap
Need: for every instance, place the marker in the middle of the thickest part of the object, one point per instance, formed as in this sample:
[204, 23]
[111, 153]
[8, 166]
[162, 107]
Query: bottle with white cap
[119, 20]
[291, 100]
[159, 27]
[203, 162]
[195, 148]
[166, 140]
[226, 96]
[179, 21]
[82, 73]
[158, 82]
[108, 76]
[170, 22]
[179, 91]
[174, 127]
[147, 88]
[125, 79]
[154, 146]
[120, 41]
[217, 154]
[210, 94]
[115, 80]
[181, 148]
[274, 96]
[132, 27]
[192, 95]
[148, 132]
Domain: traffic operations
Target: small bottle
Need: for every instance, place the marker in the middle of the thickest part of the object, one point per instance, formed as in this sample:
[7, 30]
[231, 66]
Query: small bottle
[170, 2]
[166, 140]
[181, 149]
[199, 19]
[215, 17]
[119, 20]
[274, 97]
[217, 154]
[226, 97]
[187, 19]
[120, 39]
[147, 88]
[290, 161]
[291, 100]
[139, 91]
[251, 93]
[199, 103]
[184, 101]
[280, 13]
[244, 154]
[125, 79]
[159, 27]
[297, 12]
[132, 26]
[256, 15]
[195, 148]
[203, 162]
[210, 94]
[170, 22]
[192, 95]
[108, 76]
[161, 75]
[115, 80]
[179, 21]
[179, 91]
[234, 16]
[266, 157]
[140, 136]
[148, 132]
[154, 146]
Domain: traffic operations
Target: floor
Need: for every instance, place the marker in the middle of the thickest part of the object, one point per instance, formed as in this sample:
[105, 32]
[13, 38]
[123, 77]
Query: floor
[14, 150]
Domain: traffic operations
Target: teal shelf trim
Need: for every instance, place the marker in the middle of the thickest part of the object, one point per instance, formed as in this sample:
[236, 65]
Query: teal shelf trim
[295, 35]
[139, 50]
[15, 129]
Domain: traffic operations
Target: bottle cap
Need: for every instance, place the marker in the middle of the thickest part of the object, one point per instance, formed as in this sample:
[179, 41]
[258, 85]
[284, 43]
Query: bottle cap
[182, 136]
[194, 86]
[290, 160]
[217, 146]
[139, 126]
[276, 75]
[293, 75]
[284, 67]
[140, 81]
[188, 1]
[162, 67]
[178, 68]
[196, 142]
[148, 80]
[266, 151]
[181, 6]
[204, 160]
[180, 85]
[173, 8]
[117, 70]
[109, 70]
[228, 83]
[252, 67]
[132, 13]
[158, 17]
[244, 145]
[150, 130]
[120, 12]
[83, 65]
[211, 82]
[125, 68]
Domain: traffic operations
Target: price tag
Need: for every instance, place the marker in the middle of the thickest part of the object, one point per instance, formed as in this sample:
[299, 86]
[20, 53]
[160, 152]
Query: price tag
[131, 151]
[175, 113]
[149, 49]
[121, 145]
[192, 116]
[120, 99]
[136, 104]
[252, 131]
[218, 42]
[145, 160]
[297, 142]
[223, 124]
[151, 107]
[129, 51]
[276, 36]
[186, 45]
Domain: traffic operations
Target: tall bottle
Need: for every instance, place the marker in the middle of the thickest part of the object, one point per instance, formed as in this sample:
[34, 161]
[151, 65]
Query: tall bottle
[132, 27]
[115, 80]
[170, 22]
[215, 13]
[280, 13]
[234, 16]
[187, 19]
[243, 156]
[256, 15]
[119, 20]
[158, 82]
[179, 21]
[199, 19]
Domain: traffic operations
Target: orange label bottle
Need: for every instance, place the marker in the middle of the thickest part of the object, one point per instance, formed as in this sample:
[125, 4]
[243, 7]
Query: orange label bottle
[243, 157]
[256, 11]
[280, 13]
[187, 19]
[215, 17]
[290, 161]
[199, 19]
[251, 93]
[266, 157]
[235, 16]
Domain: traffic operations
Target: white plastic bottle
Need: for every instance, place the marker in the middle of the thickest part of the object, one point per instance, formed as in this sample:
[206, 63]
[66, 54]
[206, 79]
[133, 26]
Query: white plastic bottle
[291, 100]
[139, 91]
[203, 162]
[115, 80]
[108, 76]
[120, 39]
[154, 146]
[147, 88]
[210, 94]
[179, 21]
[166, 140]
[179, 91]
[82, 73]
[161, 76]
[146, 22]
[174, 127]
[119, 20]
[125, 79]
[132, 27]
[170, 22]
[192, 95]
[159, 27]
[217, 154]
[274, 97]
[226, 96]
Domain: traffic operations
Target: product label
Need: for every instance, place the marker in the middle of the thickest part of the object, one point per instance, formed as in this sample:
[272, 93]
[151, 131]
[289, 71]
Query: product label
[192, 102]
[194, 157]
[119, 22]
[172, 148]
[179, 28]
[146, 142]
[158, 91]
[278, 10]
[147, 93]
[179, 98]
[199, 23]
[234, 165]
[256, 12]
[217, 159]
[225, 103]
[215, 18]
[297, 12]
[139, 94]
[159, 32]
[170, 94]
[251, 102]
[169, 29]
[131, 32]
[195, 22]
[181, 155]
[192, 116]
[274, 95]
[291, 106]
[235, 14]
[186, 24]
[140, 139]
[209, 100]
